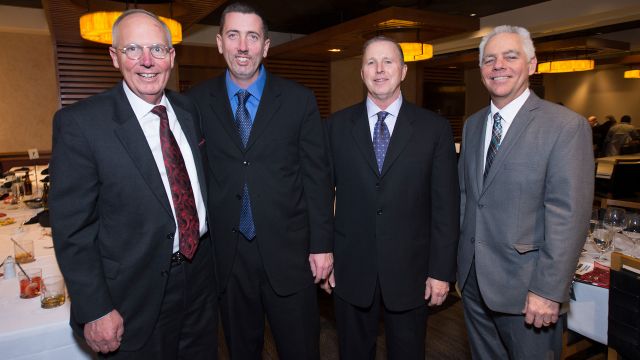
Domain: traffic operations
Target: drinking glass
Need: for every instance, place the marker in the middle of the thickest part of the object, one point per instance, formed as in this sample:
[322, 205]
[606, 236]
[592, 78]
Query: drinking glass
[614, 219]
[595, 217]
[602, 239]
[632, 230]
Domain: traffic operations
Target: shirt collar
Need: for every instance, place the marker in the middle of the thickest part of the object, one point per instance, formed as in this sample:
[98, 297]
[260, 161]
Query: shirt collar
[509, 112]
[255, 89]
[140, 107]
[393, 109]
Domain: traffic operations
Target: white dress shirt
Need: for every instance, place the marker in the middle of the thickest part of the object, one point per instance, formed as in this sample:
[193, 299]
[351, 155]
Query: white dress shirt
[390, 120]
[150, 124]
[508, 113]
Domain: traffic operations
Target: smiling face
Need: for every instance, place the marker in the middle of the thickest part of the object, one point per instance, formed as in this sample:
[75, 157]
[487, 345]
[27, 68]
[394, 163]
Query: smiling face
[146, 76]
[382, 72]
[505, 68]
[243, 44]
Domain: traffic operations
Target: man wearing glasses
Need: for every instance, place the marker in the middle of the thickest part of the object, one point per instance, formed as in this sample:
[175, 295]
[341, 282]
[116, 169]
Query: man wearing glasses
[127, 210]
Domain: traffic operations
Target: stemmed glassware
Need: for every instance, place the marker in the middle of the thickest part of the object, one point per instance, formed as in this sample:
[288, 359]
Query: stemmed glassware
[632, 229]
[602, 238]
[614, 220]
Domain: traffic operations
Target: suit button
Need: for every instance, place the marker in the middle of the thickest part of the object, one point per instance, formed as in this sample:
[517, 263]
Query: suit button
[379, 212]
[378, 186]
[170, 236]
[238, 196]
[246, 163]
[234, 230]
[480, 206]
[473, 240]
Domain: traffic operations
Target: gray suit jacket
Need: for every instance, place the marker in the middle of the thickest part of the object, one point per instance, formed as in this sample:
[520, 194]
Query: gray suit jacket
[526, 223]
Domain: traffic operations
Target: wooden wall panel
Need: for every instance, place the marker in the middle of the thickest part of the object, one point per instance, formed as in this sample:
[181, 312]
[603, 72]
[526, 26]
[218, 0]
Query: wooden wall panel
[444, 92]
[84, 71]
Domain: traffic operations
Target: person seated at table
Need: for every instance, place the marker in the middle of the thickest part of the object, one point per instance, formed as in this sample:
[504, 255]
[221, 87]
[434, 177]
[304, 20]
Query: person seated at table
[620, 135]
[127, 208]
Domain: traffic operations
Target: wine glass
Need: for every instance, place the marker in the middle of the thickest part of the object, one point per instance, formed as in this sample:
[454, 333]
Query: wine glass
[595, 217]
[614, 219]
[632, 230]
[602, 239]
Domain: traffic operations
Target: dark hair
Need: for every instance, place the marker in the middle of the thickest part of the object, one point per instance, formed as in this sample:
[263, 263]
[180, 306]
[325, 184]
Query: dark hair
[625, 119]
[383, 38]
[243, 9]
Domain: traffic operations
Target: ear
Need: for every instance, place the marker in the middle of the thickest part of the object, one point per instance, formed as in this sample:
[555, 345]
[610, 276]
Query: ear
[114, 57]
[172, 54]
[404, 71]
[219, 42]
[533, 64]
[267, 43]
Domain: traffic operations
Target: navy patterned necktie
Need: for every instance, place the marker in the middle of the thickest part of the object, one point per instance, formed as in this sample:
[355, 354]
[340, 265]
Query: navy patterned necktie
[184, 203]
[496, 138]
[243, 123]
[381, 138]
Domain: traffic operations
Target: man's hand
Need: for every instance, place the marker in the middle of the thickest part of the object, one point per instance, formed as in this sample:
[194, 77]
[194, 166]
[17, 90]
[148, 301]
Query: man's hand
[539, 311]
[321, 265]
[435, 291]
[104, 335]
[329, 284]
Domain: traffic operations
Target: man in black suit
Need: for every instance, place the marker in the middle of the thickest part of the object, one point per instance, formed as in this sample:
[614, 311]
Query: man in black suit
[127, 209]
[269, 195]
[397, 206]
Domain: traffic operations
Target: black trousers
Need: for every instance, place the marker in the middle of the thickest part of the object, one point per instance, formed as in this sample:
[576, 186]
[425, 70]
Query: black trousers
[405, 331]
[187, 326]
[495, 335]
[248, 298]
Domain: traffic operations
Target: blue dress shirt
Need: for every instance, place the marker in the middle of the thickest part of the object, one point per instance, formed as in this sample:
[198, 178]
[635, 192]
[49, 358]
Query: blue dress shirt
[255, 89]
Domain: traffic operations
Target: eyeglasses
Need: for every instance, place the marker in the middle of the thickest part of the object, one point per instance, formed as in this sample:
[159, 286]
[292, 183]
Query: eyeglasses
[135, 51]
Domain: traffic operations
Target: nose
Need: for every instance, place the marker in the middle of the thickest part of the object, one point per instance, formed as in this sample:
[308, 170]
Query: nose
[242, 44]
[499, 63]
[379, 67]
[146, 59]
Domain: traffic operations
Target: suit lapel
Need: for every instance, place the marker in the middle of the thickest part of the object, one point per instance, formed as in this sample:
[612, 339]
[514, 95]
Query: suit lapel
[221, 108]
[399, 139]
[520, 123]
[362, 137]
[269, 104]
[188, 126]
[133, 140]
[477, 130]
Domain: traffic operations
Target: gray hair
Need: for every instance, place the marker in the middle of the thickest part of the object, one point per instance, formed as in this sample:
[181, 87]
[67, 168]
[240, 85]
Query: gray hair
[384, 38]
[114, 29]
[243, 8]
[524, 34]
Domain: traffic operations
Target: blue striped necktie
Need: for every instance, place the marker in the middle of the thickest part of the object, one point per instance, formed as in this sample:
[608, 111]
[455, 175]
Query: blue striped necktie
[496, 137]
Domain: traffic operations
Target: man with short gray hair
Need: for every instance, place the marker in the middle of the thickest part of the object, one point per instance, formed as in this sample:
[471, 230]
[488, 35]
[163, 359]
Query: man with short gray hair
[526, 179]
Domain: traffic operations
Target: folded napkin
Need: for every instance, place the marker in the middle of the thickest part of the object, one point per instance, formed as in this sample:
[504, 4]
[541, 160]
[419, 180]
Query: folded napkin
[599, 276]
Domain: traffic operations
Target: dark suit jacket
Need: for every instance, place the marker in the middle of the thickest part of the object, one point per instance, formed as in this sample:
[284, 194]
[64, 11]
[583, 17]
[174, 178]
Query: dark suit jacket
[112, 222]
[401, 226]
[526, 222]
[286, 167]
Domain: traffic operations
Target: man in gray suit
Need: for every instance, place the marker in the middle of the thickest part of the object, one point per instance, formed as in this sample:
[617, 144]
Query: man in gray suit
[526, 175]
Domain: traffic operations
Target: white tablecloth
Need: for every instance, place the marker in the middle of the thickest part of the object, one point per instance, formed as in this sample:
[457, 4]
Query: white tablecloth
[28, 332]
[589, 312]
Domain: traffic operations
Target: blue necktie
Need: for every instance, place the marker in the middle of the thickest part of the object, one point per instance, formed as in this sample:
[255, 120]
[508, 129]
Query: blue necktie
[381, 138]
[496, 137]
[243, 123]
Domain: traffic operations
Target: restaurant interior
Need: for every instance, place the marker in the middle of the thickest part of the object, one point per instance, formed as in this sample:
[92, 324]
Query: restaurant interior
[47, 64]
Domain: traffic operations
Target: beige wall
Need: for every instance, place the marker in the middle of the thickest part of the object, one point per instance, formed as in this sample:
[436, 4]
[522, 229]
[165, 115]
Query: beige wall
[28, 91]
[600, 92]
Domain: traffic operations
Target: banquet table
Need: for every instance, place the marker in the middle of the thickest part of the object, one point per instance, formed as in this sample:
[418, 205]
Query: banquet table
[28, 332]
[589, 311]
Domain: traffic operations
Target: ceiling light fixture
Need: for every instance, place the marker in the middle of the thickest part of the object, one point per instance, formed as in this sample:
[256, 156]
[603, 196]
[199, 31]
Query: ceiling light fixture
[632, 74]
[96, 26]
[416, 51]
[563, 66]
[335, 50]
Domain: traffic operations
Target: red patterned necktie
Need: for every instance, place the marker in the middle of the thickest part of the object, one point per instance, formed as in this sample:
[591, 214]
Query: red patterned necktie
[181, 191]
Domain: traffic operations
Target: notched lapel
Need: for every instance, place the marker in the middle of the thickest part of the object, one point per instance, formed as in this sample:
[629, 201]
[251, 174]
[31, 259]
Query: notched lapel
[223, 113]
[399, 139]
[362, 136]
[516, 130]
[270, 103]
[135, 143]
